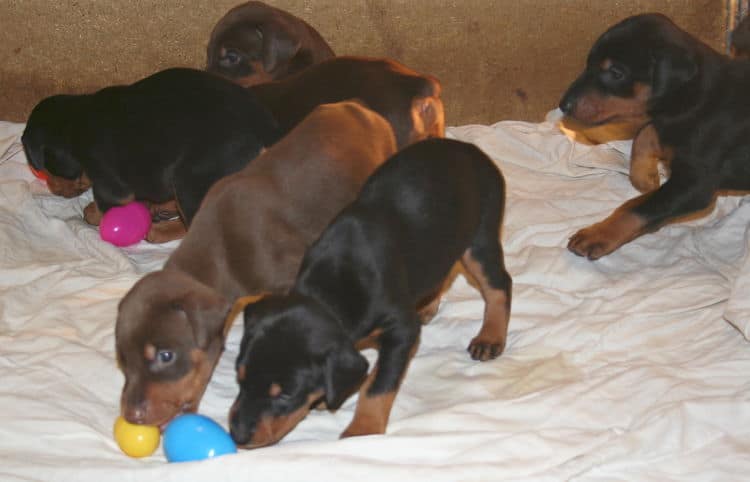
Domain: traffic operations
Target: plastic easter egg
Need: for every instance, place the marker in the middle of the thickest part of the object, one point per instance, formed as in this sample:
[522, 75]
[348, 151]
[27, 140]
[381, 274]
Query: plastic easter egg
[125, 225]
[39, 174]
[196, 437]
[136, 440]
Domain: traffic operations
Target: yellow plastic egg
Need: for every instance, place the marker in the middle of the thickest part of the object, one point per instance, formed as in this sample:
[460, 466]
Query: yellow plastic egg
[136, 440]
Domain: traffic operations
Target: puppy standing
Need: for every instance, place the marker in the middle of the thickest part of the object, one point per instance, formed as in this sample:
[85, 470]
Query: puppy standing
[248, 237]
[696, 101]
[255, 43]
[432, 204]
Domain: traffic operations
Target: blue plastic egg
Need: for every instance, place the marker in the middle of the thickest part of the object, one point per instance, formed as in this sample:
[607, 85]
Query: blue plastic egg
[195, 437]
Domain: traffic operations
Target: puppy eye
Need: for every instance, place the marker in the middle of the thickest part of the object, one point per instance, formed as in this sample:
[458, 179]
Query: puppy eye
[616, 72]
[231, 57]
[163, 359]
[165, 356]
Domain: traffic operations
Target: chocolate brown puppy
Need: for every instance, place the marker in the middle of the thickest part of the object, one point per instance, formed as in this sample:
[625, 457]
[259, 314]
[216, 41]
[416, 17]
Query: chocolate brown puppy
[248, 237]
[410, 101]
[255, 43]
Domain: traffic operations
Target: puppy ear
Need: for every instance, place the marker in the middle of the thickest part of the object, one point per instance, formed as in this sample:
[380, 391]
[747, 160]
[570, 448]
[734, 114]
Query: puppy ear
[240, 305]
[428, 118]
[344, 370]
[207, 313]
[672, 68]
[279, 45]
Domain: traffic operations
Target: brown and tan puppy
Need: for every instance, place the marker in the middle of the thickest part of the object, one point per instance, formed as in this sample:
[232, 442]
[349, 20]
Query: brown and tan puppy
[248, 237]
[410, 101]
[256, 43]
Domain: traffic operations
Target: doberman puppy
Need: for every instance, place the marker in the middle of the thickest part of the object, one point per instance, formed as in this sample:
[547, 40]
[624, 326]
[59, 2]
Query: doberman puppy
[255, 43]
[696, 102]
[172, 133]
[434, 203]
[408, 100]
[248, 237]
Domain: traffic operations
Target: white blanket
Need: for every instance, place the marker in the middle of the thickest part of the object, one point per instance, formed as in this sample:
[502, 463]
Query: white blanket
[619, 369]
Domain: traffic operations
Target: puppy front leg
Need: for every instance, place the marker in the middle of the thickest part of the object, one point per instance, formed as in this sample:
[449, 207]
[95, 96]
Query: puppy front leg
[92, 214]
[681, 195]
[644, 159]
[398, 343]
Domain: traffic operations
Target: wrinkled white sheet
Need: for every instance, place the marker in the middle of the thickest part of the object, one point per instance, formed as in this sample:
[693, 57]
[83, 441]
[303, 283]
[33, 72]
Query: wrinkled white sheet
[620, 369]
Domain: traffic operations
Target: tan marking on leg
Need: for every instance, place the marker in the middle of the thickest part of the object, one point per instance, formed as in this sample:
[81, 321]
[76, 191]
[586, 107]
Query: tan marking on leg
[372, 412]
[645, 156]
[602, 238]
[92, 214]
[490, 341]
[428, 310]
[369, 341]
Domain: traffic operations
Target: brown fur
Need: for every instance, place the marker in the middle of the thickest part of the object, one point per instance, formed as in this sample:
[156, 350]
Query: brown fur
[248, 237]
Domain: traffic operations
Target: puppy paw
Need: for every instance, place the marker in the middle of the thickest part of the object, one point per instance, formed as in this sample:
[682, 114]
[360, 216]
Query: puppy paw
[91, 214]
[592, 243]
[645, 181]
[358, 429]
[164, 231]
[483, 349]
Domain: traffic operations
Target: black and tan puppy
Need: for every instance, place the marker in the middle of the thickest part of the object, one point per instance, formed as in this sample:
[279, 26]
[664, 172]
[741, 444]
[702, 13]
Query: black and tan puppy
[171, 134]
[255, 43]
[434, 203]
[248, 236]
[410, 101]
[695, 100]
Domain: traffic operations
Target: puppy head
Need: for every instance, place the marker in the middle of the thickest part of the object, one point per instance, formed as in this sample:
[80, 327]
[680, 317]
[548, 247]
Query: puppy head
[169, 333]
[47, 144]
[292, 355]
[253, 43]
[635, 69]
[420, 94]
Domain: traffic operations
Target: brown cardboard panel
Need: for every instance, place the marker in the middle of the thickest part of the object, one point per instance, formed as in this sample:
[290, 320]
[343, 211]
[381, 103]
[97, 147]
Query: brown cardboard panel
[497, 59]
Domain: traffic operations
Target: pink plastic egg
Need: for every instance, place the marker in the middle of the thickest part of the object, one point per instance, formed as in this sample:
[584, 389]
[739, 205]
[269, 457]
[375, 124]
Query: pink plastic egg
[125, 225]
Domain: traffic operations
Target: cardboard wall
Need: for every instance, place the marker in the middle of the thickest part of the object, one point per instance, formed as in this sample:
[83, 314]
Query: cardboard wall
[497, 59]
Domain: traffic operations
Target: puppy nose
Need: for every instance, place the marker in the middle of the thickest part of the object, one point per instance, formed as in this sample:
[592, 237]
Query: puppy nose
[136, 413]
[240, 432]
[566, 105]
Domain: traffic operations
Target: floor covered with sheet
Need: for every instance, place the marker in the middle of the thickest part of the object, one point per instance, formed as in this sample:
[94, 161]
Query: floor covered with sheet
[633, 367]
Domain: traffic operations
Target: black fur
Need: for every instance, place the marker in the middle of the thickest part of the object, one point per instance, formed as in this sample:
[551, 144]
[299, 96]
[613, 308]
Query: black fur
[385, 253]
[176, 131]
[698, 104]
